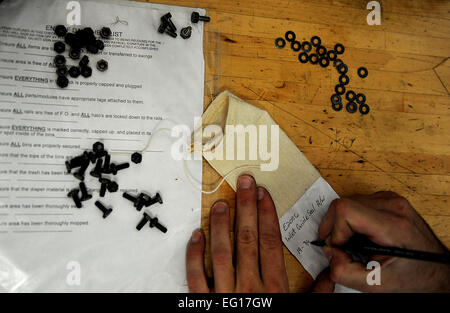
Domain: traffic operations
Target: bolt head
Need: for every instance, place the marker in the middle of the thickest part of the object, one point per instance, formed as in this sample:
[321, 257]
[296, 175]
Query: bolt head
[113, 187]
[98, 146]
[195, 17]
[73, 192]
[136, 158]
[107, 213]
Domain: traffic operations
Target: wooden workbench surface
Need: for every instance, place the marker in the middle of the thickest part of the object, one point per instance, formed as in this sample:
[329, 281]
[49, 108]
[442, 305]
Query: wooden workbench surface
[403, 145]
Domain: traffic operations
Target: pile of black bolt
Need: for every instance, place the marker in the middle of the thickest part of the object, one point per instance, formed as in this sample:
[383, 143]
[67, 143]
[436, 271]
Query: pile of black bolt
[168, 27]
[315, 53]
[103, 168]
[82, 40]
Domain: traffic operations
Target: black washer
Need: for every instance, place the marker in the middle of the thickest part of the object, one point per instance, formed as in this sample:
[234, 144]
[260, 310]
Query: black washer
[303, 57]
[313, 58]
[339, 89]
[280, 43]
[331, 54]
[350, 95]
[339, 48]
[306, 46]
[361, 98]
[321, 50]
[316, 41]
[342, 68]
[364, 109]
[363, 72]
[344, 80]
[337, 62]
[351, 107]
[296, 46]
[335, 98]
[62, 82]
[290, 36]
[324, 62]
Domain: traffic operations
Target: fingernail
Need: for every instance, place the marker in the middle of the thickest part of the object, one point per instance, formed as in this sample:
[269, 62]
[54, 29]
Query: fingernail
[220, 207]
[261, 193]
[245, 182]
[328, 253]
[196, 236]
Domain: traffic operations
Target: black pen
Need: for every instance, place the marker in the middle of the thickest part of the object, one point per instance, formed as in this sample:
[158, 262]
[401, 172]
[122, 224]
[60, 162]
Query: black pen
[360, 248]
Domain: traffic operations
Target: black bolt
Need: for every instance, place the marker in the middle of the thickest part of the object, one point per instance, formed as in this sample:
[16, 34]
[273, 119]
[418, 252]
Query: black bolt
[186, 32]
[143, 221]
[80, 174]
[59, 47]
[164, 28]
[60, 30]
[62, 82]
[196, 17]
[102, 208]
[129, 197]
[115, 168]
[113, 187]
[86, 71]
[74, 195]
[97, 172]
[102, 65]
[105, 32]
[154, 223]
[74, 53]
[167, 19]
[59, 60]
[106, 164]
[75, 162]
[136, 158]
[104, 185]
[156, 199]
[141, 201]
[74, 71]
[84, 193]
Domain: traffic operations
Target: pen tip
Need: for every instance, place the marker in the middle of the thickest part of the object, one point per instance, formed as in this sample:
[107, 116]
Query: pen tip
[318, 243]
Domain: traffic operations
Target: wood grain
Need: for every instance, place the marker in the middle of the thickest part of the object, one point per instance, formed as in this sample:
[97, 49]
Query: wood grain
[402, 145]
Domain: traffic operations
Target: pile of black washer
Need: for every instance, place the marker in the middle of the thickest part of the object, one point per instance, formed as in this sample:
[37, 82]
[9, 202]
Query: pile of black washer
[315, 53]
[82, 39]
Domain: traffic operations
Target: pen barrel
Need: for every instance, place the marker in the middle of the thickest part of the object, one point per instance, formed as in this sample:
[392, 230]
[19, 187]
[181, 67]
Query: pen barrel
[409, 254]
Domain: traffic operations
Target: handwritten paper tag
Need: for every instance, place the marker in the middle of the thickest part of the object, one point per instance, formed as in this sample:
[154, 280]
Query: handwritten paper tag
[300, 224]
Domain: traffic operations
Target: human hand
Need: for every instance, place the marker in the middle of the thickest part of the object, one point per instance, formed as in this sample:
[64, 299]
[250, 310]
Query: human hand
[259, 265]
[388, 220]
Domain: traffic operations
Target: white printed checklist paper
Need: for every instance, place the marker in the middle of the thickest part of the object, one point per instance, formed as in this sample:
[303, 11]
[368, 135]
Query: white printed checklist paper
[46, 243]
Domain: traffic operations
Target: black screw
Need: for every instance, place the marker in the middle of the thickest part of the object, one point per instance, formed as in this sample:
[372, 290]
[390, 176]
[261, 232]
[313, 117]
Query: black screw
[115, 168]
[104, 185]
[84, 193]
[92, 48]
[74, 195]
[143, 221]
[102, 208]
[167, 19]
[113, 187]
[156, 199]
[164, 28]
[129, 197]
[136, 158]
[186, 32]
[196, 17]
[62, 70]
[142, 200]
[97, 172]
[75, 162]
[106, 164]
[154, 223]
[80, 174]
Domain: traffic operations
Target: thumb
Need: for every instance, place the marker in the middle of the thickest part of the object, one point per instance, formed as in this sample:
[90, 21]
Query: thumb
[344, 271]
[323, 283]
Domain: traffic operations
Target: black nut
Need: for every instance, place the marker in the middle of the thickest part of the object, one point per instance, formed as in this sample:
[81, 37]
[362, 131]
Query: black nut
[62, 82]
[59, 61]
[136, 158]
[92, 48]
[62, 71]
[59, 47]
[100, 45]
[86, 71]
[186, 32]
[60, 30]
[102, 65]
[84, 61]
[74, 54]
[105, 33]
